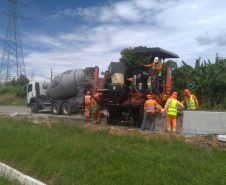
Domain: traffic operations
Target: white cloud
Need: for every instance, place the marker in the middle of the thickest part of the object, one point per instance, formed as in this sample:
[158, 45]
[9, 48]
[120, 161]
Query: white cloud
[114, 12]
[126, 10]
[187, 28]
[40, 40]
[147, 4]
[217, 40]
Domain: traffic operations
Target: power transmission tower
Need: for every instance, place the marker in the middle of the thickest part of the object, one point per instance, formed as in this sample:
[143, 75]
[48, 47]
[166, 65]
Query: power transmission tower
[32, 75]
[12, 65]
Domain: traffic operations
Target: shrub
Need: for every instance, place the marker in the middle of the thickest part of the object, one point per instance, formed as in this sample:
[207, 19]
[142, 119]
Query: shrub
[4, 90]
[20, 92]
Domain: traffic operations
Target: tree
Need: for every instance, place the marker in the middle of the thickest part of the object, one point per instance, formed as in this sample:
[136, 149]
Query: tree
[22, 80]
[13, 82]
[179, 81]
[132, 61]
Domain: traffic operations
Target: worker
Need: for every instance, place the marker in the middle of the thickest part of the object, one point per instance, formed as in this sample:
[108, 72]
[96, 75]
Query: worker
[156, 65]
[149, 112]
[87, 101]
[153, 79]
[95, 110]
[171, 107]
[190, 100]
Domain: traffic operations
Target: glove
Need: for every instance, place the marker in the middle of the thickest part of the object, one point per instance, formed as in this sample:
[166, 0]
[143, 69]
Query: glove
[163, 113]
[146, 65]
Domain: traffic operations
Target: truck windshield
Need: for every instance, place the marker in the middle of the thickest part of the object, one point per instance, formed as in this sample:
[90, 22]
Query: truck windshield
[30, 88]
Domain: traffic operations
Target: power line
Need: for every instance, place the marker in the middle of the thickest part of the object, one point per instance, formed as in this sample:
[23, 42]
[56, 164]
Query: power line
[31, 76]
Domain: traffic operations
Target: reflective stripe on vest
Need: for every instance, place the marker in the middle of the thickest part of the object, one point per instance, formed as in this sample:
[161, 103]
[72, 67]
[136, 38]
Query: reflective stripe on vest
[95, 106]
[150, 108]
[191, 103]
[157, 67]
[172, 110]
[160, 73]
[87, 99]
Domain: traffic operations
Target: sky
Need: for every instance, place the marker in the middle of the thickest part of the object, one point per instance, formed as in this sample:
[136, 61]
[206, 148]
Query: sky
[71, 34]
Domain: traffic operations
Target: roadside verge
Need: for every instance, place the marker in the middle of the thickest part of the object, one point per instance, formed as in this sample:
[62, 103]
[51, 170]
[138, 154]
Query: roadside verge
[14, 174]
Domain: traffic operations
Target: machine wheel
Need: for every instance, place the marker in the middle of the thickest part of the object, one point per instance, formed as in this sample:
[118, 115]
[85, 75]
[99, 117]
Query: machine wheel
[66, 109]
[34, 107]
[55, 109]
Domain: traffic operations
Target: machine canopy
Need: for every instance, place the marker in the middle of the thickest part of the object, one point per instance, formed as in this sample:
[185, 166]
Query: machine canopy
[156, 52]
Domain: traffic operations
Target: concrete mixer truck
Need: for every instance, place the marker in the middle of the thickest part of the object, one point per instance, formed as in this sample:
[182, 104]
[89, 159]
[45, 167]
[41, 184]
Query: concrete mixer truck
[58, 94]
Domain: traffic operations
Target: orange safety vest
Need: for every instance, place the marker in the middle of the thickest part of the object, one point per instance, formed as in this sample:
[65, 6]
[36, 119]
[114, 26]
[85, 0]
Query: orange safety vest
[158, 66]
[87, 99]
[150, 106]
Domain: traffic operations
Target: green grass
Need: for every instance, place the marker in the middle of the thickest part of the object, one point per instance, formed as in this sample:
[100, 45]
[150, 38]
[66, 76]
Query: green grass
[12, 95]
[70, 154]
[5, 181]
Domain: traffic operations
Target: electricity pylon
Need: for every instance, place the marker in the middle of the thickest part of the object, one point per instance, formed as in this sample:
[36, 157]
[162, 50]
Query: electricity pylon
[12, 65]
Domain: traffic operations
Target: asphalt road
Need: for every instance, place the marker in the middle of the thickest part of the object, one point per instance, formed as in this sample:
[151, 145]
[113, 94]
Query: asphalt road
[26, 111]
[15, 109]
[19, 110]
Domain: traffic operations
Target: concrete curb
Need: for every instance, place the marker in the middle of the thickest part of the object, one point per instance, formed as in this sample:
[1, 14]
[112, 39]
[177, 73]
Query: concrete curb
[14, 174]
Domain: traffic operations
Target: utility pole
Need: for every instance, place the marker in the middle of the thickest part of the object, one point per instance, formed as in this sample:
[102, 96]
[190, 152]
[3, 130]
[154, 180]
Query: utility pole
[51, 74]
[12, 65]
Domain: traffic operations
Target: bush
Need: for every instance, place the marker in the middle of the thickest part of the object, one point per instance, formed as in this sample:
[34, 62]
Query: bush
[4, 90]
[20, 92]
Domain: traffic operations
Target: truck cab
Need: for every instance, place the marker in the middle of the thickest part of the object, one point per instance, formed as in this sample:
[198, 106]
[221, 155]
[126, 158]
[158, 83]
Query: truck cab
[35, 92]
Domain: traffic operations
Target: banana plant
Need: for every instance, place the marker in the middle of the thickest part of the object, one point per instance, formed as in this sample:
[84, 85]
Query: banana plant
[209, 79]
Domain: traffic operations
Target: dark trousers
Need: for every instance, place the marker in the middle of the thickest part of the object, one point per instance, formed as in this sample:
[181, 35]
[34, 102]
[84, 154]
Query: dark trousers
[146, 117]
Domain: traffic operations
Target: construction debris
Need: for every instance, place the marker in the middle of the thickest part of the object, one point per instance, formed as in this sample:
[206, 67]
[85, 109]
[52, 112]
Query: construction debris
[222, 138]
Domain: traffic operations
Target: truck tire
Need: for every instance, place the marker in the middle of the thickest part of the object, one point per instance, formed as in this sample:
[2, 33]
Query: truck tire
[34, 107]
[66, 109]
[55, 108]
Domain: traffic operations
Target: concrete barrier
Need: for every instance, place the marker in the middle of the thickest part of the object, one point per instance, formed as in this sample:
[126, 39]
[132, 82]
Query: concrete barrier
[14, 174]
[195, 122]
[204, 122]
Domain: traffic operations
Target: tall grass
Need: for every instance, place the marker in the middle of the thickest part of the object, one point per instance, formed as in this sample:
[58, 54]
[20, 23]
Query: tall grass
[71, 154]
[5, 181]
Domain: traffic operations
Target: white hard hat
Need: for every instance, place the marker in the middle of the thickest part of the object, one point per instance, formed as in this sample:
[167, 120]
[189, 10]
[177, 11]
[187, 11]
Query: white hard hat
[156, 59]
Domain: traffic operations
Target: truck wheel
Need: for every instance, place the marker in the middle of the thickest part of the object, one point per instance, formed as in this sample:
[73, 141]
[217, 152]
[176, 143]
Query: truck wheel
[55, 109]
[66, 109]
[34, 108]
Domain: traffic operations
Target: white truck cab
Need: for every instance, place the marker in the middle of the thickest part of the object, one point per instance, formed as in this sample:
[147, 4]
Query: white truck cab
[35, 91]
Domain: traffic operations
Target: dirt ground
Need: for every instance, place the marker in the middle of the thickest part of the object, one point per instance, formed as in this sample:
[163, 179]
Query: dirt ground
[207, 141]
